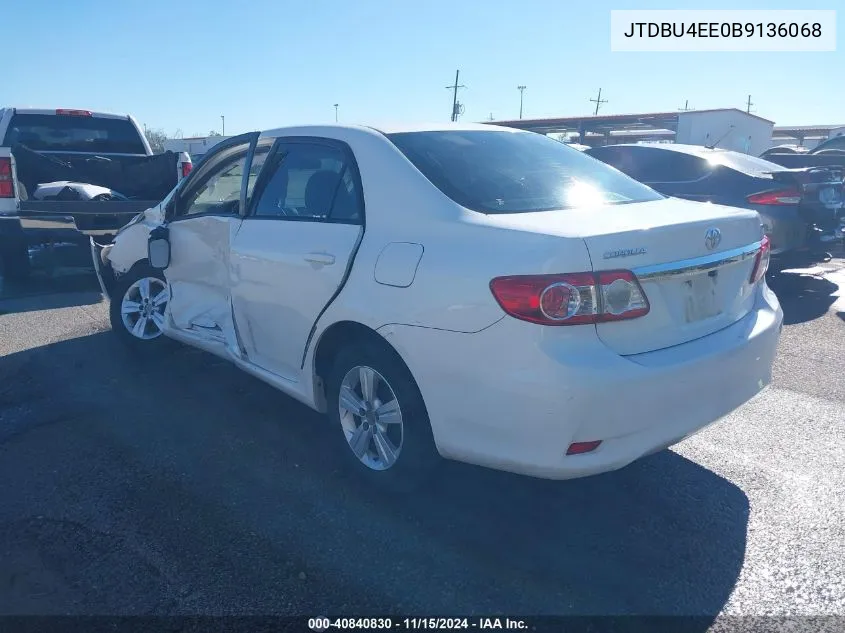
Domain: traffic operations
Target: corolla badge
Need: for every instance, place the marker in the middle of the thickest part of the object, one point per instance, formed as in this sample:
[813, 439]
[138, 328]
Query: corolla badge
[624, 252]
[712, 238]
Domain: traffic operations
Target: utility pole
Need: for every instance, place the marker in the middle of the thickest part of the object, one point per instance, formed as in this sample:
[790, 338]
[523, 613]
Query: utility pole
[223, 119]
[335, 112]
[748, 105]
[491, 117]
[598, 101]
[454, 88]
[686, 107]
[521, 91]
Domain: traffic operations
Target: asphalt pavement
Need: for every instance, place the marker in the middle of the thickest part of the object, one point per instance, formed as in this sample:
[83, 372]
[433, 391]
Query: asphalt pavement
[179, 485]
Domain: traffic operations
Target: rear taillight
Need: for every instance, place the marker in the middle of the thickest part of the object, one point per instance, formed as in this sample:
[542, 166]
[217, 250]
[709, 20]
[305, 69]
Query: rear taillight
[761, 261]
[571, 299]
[780, 197]
[186, 169]
[7, 189]
[66, 112]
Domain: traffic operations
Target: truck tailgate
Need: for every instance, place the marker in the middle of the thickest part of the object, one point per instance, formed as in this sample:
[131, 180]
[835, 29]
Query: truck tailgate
[87, 217]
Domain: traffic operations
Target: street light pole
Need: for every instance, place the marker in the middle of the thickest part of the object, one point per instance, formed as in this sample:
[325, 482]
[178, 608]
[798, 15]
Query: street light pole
[223, 119]
[521, 91]
[335, 112]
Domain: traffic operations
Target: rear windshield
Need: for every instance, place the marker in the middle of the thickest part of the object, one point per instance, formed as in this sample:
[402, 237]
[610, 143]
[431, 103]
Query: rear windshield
[514, 172]
[48, 132]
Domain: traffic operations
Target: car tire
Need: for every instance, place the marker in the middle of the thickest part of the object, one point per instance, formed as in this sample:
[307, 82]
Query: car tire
[142, 285]
[408, 433]
[14, 259]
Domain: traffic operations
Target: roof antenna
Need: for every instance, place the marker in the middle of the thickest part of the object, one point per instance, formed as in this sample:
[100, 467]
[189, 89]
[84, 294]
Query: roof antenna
[721, 138]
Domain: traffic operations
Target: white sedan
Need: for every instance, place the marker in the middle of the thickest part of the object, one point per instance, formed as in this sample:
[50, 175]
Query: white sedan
[478, 293]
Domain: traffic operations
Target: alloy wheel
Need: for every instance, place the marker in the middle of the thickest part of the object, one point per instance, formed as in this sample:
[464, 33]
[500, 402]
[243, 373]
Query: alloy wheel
[142, 308]
[371, 417]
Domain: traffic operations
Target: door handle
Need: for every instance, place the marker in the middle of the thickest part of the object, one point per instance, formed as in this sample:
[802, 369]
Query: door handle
[327, 259]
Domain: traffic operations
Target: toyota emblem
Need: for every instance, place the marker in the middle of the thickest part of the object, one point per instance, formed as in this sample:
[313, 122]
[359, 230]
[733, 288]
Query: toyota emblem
[712, 238]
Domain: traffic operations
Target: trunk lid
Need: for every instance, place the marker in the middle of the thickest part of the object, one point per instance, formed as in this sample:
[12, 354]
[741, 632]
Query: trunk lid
[695, 286]
[694, 263]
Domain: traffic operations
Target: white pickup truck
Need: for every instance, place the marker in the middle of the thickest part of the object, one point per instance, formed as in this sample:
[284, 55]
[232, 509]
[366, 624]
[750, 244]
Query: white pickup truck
[66, 175]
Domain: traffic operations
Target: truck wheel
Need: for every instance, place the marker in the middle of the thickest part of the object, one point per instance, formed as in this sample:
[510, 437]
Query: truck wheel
[14, 260]
[381, 422]
[137, 307]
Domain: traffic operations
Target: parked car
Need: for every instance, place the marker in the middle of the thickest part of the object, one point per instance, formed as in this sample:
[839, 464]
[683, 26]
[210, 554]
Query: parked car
[481, 293]
[783, 149]
[833, 144]
[828, 153]
[68, 174]
[800, 208]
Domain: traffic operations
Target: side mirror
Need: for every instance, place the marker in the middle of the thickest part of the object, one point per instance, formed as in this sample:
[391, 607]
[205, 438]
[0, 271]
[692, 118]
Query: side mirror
[158, 248]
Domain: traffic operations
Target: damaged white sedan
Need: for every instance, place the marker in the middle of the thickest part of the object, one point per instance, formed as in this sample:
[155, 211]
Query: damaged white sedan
[473, 292]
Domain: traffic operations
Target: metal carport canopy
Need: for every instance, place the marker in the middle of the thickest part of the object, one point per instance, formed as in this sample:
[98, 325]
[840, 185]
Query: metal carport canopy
[598, 124]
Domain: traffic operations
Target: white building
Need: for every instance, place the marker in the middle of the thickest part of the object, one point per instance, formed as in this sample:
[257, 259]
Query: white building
[727, 129]
[196, 146]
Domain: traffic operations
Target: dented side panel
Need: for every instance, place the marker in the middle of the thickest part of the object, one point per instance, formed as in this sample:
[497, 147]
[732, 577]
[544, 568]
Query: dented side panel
[199, 275]
[130, 244]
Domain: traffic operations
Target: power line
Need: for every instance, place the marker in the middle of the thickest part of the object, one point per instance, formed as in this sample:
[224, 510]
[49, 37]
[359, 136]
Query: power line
[521, 91]
[598, 101]
[456, 107]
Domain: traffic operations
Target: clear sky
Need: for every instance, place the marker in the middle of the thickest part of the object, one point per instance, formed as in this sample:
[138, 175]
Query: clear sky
[180, 64]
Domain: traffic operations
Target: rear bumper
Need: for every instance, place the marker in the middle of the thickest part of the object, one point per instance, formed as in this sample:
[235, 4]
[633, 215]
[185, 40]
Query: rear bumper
[785, 228]
[41, 221]
[515, 396]
[66, 225]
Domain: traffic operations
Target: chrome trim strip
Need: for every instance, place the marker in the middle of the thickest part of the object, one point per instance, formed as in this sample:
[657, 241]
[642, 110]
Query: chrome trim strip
[696, 265]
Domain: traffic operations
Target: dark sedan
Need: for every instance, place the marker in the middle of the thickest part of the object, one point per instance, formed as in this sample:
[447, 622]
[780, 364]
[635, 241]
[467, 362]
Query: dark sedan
[800, 208]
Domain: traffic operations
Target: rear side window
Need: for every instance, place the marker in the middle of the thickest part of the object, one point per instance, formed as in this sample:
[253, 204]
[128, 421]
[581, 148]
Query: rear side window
[48, 132]
[310, 181]
[653, 165]
[515, 172]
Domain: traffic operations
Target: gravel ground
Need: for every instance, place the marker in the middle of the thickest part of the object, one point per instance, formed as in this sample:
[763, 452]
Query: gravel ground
[179, 485]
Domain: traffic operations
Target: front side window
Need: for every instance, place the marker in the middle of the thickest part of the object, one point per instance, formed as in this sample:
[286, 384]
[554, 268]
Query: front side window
[515, 172]
[219, 190]
[310, 182]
